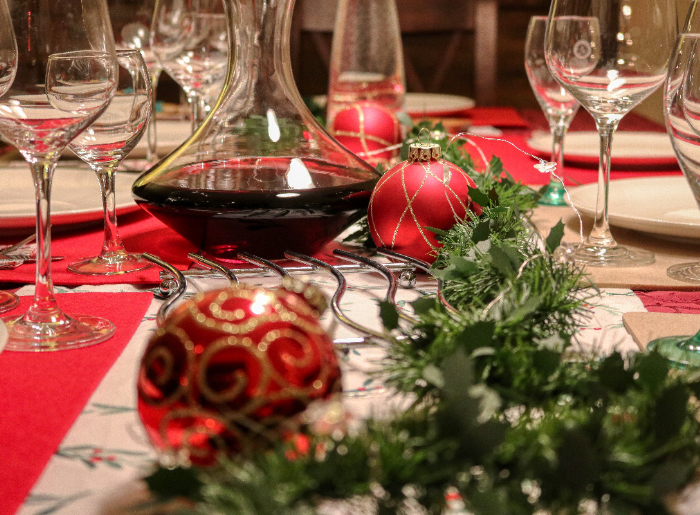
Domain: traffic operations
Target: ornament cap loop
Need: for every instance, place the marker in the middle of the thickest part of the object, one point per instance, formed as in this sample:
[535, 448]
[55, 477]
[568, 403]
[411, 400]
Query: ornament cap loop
[424, 151]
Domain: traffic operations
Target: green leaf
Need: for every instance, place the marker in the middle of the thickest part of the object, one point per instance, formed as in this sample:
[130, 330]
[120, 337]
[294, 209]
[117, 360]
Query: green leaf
[389, 315]
[479, 197]
[670, 408]
[496, 166]
[555, 236]
[177, 482]
[612, 374]
[493, 196]
[479, 334]
[502, 261]
[546, 361]
[653, 370]
[434, 376]
[434, 230]
[423, 305]
[482, 231]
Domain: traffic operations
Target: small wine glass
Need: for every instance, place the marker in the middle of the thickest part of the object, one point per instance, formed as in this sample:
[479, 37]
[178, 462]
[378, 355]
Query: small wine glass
[610, 56]
[8, 70]
[66, 75]
[190, 40]
[136, 33]
[557, 103]
[103, 145]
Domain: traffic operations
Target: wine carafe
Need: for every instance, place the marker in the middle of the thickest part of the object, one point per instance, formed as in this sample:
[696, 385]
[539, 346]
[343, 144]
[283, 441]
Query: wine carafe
[260, 174]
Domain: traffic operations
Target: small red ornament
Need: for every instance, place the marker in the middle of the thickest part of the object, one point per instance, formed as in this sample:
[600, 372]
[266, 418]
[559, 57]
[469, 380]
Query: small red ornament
[230, 369]
[423, 192]
[365, 129]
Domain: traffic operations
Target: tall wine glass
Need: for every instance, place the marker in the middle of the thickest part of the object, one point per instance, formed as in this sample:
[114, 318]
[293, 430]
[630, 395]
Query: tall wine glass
[190, 40]
[103, 145]
[66, 75]
[557, 103]
[132, 29]
[682, 112]
[8, 70]
[610, 55]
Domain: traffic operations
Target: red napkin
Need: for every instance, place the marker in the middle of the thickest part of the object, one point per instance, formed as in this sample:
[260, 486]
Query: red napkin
[140, 232]
[497, 116]
[671, 301]
[41, 394]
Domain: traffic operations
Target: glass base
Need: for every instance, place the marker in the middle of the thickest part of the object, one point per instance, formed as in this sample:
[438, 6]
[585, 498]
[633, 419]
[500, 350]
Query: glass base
[686, 272]
[553, 195]
[8, 301]
[680, 351]
[616, 256]
[70, 333]
[121, 263]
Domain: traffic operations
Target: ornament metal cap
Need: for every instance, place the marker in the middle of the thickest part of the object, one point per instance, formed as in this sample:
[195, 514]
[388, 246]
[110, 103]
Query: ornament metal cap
[420, 151]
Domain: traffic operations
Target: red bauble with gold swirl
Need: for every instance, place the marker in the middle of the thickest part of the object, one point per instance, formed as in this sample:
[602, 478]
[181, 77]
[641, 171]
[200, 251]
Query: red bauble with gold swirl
[231, 368]
[424, 191]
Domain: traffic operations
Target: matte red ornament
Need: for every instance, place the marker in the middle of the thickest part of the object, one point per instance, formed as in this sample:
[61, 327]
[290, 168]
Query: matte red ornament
[365, 129]
[425, 191]
[230, 369]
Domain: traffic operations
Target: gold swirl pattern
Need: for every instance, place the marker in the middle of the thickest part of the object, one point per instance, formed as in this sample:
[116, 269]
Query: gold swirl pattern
[231, 368]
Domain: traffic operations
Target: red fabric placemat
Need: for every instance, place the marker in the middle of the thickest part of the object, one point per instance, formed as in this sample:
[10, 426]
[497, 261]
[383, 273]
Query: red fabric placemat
[496, 116]
[670, 301]
[140, 232]
[41, 394]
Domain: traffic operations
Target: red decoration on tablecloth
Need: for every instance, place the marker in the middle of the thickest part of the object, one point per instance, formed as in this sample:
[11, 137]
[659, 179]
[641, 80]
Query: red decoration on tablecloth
[230, 368]
[41, 394]
[366, 127]
[671, 301]
[415, 195]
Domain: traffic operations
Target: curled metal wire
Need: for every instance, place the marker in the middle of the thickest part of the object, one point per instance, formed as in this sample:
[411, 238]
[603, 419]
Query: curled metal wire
[179, 290]
[385, 272]
[426, 268]
[339, 292]
[214, 266]
[264, 263]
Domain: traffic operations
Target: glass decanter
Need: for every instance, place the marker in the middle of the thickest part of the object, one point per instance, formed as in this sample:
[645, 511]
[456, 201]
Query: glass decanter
[260, 174]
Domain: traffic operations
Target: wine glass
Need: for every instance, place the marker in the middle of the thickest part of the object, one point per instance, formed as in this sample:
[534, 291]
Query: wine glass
[557, 103]
[66, 75]
[8, 70]
[103, 145]
[190, 40]
[135, 32]
[682, 113]
[610, 55]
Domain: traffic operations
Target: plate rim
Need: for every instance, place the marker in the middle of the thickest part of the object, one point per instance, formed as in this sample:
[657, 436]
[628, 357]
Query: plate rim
[61, 217]
[593, 157]
[626, 221]
[470, 103]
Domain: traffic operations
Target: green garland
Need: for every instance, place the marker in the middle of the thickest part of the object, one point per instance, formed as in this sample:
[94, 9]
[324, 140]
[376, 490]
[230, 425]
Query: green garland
[505, 411]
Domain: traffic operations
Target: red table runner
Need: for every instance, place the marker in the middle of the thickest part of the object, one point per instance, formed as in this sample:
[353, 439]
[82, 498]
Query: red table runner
[41, 394]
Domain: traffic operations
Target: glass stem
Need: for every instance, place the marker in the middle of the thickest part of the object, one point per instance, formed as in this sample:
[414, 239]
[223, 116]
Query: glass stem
[558, 133]
[152, 150]
[600, 235]
[44, 309]
[195, 106]
[112, 243]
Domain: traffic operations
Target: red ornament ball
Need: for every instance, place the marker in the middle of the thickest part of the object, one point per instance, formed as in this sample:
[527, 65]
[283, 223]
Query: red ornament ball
[230, 369]
[366, 127]
[412, 196]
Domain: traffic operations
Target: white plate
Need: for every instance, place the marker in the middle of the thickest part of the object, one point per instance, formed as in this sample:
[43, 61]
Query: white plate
[435, 104]
[75, 198]
[428, 104]
[629, 148]
[662, 206]
[170, 135]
